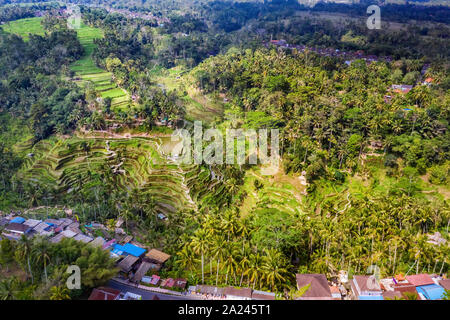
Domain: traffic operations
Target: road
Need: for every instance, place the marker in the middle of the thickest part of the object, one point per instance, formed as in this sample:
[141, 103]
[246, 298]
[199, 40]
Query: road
[146, 295]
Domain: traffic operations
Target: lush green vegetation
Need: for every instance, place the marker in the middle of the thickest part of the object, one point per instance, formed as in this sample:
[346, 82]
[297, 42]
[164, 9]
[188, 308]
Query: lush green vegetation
[37, 269]
[87, 114]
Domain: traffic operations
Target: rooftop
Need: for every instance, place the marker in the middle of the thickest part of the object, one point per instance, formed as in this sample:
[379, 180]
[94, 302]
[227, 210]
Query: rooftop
[104, 293]
[319, 287]
[445, 283]
[431, 292]
[141, 271]
[127, 263]
[17, 227]
[157, 255]
[238, 292]
[128, 249]
[32, 223]
[17, 220]
[262, 295]
[420, 279]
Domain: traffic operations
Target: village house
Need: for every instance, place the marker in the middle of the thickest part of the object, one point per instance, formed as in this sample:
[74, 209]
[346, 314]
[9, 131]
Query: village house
[144, 267]
[262, 295]
[43, 229]
[153, 280]
[83, 238]
[445, 283]
[319, 288]
[128, 249]
[232, 293]
[32, 223]
[180, 283]
[98, 242]
[127, 264]
[157, 258]
[426, 286]
[168, 283]
[17, 229]
[401, 88]
[366, 288]
[104, 293]
[19, 220]
[207, 291]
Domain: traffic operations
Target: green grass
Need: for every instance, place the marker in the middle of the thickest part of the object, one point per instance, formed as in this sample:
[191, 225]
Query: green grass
[24, 27]
[86, 69]
[86, 65]
[113, 93]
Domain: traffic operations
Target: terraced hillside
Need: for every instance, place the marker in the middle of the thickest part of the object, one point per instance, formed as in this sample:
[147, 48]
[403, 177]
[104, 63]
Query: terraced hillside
[86, 70]
[206, 108]
[280, 192]
[76, 165]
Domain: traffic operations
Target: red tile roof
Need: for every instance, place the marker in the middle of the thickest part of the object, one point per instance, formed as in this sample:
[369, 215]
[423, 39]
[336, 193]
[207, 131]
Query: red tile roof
[420, 279]
[318, 285]
[238, 292]
[405, 287]
[170, 283]
[445, 284]
[104, 293]
[367, 283]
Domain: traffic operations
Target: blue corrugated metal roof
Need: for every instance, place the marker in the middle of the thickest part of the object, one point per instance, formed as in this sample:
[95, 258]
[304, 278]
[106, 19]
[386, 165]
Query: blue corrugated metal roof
[133, 250]
[117, 249]
[128, 249]
[371, 298]
[431, 291]
[18, 220]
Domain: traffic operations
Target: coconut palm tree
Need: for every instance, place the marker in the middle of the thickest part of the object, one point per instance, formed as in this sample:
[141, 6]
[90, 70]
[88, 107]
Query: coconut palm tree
[25, 251]
[217, 252]
[200, 244]
[230, 252]
[186, 258]
[254, 271]
[42, 255]
[273, 268]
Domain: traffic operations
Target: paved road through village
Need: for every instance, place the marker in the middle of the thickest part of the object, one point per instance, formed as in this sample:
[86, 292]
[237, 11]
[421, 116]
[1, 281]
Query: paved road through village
[146, 295]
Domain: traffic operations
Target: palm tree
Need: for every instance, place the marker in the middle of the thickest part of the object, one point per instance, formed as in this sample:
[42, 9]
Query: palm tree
[25, 245]
[273, 268]
[295, 294]
[244, 263]
[230, 224]
[230, 254]
[254, 268]
[42, 255]
[200, 244]
[186, 259]
[217, 252]
[8, 288]
[59, 293]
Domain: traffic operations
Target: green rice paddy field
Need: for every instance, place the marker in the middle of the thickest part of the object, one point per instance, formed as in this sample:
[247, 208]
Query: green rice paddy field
[84, 68]
[24, 27]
